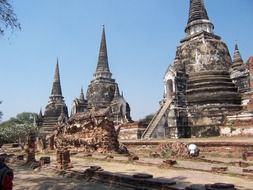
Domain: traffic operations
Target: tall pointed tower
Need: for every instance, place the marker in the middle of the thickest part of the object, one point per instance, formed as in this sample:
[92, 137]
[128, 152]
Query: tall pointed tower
[207, 95]
[102, 70]
[79, 104]
[239, 72]
[210, 93]
[55, 107]
[103, 91]
[56, 93]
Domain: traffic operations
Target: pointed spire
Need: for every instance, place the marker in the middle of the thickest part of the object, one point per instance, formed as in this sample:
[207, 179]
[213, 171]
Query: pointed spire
[237, 58]
[81, 97]
[198, 18]
[197, 11]
[116, 92]
[56, 89]
[40, 114]
[102, 69]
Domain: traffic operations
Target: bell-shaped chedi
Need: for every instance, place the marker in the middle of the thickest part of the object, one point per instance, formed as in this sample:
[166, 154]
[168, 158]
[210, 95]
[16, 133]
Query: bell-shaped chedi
[103, 90]
[210, 93]
[199, 92]
[55, 107]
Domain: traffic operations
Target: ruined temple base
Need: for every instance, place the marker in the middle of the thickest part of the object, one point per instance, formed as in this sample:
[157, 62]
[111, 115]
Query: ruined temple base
[238, 125]
[205, 120]
[131, 131]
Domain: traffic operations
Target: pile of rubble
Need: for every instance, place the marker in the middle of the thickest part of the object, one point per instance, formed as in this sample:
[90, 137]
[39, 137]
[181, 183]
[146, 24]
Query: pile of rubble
[90, 131]
[174, 149]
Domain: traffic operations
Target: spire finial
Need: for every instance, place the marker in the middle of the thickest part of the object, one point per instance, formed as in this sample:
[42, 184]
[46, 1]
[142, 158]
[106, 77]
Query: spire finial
[236, 46]
[237, 58]
[40, 114]
[197, 11]
[198, 18]
[56, 72]
[81, 95]
[116, 92]
[56, 89]
[102, 65]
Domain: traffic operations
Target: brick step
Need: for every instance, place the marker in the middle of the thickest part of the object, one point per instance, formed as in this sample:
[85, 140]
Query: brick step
[48, 128]
[50, 123]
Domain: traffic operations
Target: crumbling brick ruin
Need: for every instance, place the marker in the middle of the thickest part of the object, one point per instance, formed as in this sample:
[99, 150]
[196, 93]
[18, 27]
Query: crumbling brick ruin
[102, 92]
[30, 148]
[90, 131]
[63, 158]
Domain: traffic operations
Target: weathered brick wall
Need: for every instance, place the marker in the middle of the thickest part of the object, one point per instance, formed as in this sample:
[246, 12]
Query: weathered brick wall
[91, 131]
[131, 131]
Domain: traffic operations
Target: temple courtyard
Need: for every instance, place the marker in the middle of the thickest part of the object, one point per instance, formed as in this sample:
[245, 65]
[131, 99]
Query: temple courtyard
[149, 166]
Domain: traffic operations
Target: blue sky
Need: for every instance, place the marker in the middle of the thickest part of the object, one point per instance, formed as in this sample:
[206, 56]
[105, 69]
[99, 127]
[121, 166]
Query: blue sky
[142, 36]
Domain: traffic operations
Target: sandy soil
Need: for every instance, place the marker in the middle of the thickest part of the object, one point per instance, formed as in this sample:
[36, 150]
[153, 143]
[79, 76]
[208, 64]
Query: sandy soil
[47, 179]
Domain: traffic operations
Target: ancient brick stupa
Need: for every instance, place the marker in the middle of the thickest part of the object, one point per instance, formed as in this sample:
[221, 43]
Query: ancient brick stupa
[199, 92]
[54, 109]
[103, 91]
[239, 72]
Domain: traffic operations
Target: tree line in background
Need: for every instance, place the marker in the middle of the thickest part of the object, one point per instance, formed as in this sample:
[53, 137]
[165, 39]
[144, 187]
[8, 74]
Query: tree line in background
[1, 112]
[16, 129]
[146, 120]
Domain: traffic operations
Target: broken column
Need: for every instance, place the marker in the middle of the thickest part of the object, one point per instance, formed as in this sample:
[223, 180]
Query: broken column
[63, 158]
[30, 151]
[250, 103]
[51, 142]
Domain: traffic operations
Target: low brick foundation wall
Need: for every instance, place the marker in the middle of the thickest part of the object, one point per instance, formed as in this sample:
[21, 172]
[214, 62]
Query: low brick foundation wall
[138, 181]
[207, 146]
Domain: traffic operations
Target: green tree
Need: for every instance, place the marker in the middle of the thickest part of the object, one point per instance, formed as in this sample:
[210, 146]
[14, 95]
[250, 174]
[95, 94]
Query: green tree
[8, 19]
[146, 120]
[1, 113]
[17, 129]
[26, 117]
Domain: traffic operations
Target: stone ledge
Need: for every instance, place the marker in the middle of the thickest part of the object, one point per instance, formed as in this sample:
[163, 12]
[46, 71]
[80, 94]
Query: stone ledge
[131, 181]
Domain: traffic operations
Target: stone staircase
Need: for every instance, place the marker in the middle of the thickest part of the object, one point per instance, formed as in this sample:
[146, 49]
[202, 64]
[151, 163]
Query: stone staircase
[48, 126]
[156, 119]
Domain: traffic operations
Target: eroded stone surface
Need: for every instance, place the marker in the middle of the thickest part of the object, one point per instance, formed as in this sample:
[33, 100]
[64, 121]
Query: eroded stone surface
[201, 86]
[90, 131]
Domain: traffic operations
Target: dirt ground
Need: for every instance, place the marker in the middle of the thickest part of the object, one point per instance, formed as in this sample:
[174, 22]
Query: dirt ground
[47, 179]
[185, 172]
